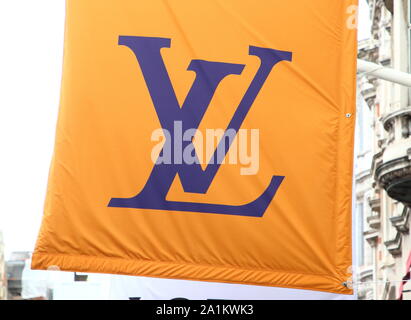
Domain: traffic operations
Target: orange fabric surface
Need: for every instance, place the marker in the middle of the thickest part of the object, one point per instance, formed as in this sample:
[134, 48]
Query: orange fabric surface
[103, 144]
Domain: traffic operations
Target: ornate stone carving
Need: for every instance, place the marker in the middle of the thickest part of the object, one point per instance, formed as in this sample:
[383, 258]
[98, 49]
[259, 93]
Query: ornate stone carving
[401, 222]
[394, 245]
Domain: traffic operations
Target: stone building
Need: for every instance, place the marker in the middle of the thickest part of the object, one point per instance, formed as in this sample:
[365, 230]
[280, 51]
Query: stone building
[383, 170]
[3, 277]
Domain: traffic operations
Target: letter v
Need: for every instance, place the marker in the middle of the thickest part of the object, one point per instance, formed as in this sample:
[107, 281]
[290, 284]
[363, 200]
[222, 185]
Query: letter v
[208, 77]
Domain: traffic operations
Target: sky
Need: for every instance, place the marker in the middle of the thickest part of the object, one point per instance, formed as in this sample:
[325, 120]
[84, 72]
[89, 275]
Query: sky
[31, 53]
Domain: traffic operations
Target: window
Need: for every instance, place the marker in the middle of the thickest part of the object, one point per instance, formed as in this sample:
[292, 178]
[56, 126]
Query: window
[360, 233]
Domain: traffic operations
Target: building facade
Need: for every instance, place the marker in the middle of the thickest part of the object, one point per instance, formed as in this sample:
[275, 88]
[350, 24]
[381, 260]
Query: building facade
[383, 169]
[3, 277]
[14, 267]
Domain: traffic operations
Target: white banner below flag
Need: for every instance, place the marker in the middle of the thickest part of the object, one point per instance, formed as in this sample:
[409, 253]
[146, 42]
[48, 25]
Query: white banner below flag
[140, 288]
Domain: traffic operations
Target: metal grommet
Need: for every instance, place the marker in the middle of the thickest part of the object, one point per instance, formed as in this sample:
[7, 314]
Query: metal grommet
[348, 115]
[348, 284]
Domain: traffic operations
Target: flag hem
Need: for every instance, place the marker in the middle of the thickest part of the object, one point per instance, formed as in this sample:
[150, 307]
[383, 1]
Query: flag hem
[170, 270]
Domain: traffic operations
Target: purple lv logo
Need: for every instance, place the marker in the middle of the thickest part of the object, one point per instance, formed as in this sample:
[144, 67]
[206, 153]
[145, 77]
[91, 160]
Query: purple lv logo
[209, 75]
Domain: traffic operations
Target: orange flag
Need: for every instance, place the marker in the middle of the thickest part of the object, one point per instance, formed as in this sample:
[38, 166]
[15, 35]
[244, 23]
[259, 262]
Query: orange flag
[205, 140]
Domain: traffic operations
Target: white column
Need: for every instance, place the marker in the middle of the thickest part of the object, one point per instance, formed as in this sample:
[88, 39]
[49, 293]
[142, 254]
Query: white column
[400, 50]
